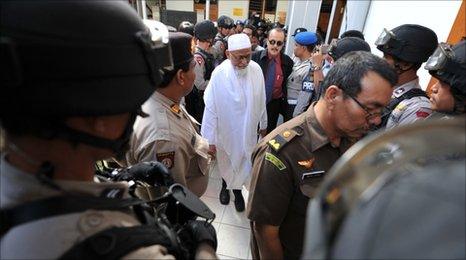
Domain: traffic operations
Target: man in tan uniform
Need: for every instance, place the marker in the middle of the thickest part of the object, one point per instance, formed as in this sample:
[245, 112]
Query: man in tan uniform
[170, 134]
[64, 115]
[290, 162]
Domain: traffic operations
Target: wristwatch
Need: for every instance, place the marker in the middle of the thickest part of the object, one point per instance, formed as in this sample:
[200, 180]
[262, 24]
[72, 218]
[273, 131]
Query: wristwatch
[314, 68]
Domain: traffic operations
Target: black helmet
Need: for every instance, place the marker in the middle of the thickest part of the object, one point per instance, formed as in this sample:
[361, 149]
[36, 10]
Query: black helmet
[352, 33]
[239, 22]
[409, 42]
[261, 26]
[205, 30]
[298, 30]
[81, 58]
[225, 22]
[346, 45]
[448, 64]
[186, 27]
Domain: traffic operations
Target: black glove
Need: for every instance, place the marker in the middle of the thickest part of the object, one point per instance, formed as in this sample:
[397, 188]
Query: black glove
[153, 173]
[199, 232]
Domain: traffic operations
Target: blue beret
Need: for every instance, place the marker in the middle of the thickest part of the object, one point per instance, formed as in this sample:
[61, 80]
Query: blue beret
[306, 38]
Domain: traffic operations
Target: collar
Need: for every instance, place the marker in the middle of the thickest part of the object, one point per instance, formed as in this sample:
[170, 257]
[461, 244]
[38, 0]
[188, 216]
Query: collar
[18, 187]
[277, 58]
[167, 103]
[400, 90]
[319, 138]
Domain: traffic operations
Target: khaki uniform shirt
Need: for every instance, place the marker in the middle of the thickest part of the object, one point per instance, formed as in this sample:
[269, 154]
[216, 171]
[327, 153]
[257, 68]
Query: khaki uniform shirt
[288, 167]
[51, 237]
[170, 135]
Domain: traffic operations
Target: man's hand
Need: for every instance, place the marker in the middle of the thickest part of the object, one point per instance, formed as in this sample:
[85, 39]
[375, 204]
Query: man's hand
[212, 151]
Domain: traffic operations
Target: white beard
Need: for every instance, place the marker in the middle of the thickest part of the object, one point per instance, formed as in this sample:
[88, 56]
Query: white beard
[241, 73]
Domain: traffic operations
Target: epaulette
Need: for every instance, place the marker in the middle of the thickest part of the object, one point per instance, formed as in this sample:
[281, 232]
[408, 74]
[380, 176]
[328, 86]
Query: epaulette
[280, 140]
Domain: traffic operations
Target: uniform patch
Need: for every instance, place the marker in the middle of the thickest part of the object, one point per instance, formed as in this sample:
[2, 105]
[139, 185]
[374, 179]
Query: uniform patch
[275, 145]
[307, 163]
[175, 108]
[399, 92]
[199, 59]
[308, 86]
[422, 113]
[400, 107]
[168, 159]
[275, 161]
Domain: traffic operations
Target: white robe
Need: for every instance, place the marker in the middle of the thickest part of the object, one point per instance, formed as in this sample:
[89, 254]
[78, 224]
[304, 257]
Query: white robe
[234, 109]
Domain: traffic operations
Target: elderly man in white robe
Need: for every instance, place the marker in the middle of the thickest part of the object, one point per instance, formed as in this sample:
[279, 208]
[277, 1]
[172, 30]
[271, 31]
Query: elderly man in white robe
[234, 117]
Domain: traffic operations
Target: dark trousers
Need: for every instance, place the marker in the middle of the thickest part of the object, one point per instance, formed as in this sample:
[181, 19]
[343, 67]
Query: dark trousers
[275, 108]
[195, 104]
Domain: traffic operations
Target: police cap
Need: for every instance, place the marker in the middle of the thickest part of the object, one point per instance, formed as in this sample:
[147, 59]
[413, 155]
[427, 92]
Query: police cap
[409, 42]
[346, 45]
[181, 43]
[306, 38]
[107, 63]
[298, 30]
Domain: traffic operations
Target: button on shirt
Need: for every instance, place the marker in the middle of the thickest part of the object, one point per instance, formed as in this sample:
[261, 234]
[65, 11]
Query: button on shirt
[283, 181]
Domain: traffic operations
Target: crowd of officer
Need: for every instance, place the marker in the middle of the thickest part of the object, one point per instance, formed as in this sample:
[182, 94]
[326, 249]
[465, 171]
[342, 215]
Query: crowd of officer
[74, 94]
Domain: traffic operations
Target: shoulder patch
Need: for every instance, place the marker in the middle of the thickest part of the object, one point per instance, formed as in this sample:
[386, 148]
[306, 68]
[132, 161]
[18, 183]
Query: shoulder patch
[400, 107]
[199, 59]
[168, 159]
[275, 161]
[282, 139]
[423, 113]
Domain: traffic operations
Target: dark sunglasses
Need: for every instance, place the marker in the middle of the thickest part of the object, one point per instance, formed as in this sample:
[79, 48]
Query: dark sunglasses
[278, 43]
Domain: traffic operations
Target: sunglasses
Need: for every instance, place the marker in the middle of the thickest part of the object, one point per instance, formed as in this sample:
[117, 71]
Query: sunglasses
[278, 43]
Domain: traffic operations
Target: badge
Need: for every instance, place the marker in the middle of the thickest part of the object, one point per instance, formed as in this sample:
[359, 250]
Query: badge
[312, 174]
[400, 107]
[308, 86]
[275, 161]
[274, 144]
[199, 59]
[423, 113]
[286, 134]
[399, 92]
[307, 163]
[168, 159]
[175, 108]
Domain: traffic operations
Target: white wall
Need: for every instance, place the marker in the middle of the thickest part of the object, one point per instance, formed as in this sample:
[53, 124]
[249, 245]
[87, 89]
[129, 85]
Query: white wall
[282, 6]
[436, 15]
[225, 7]
[180, 5]
[355, 15]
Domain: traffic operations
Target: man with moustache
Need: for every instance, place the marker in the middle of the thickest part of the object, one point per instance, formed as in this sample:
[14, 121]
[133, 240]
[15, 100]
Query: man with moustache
[276, 68]
[169, 134]
[290, 162]
[234, 111]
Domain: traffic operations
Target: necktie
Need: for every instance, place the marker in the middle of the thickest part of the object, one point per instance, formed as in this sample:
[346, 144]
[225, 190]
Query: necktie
[270, 80]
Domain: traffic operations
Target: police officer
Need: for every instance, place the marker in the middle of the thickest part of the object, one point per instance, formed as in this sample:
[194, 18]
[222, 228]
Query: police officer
[398, 195]
[298, 30]
[345, 45]
[186, 27]
[290, 162]
[225, 27]
[301, 78]
[239, 26]
[204, 33]
[448, 66]
[60, 115]
[170, 135]
[406, 47]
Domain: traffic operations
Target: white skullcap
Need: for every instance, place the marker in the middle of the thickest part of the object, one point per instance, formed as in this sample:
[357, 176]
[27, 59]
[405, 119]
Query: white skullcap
[238, 41]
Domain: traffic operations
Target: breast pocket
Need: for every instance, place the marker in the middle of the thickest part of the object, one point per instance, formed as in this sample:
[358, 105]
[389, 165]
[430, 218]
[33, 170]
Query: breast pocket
[310, 181]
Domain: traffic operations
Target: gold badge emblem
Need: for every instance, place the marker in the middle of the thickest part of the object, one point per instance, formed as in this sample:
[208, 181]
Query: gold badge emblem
[286, 134]
[307, 163]
[274, 144]
[175, 108]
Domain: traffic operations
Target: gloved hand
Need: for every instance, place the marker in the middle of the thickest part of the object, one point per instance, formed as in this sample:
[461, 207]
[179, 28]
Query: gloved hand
[153, 173]
[201, 231]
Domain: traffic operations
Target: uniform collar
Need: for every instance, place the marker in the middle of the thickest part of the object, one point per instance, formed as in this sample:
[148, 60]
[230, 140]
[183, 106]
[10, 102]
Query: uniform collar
[400, 90]
[175, 108]
[319, 138]
[18, 187]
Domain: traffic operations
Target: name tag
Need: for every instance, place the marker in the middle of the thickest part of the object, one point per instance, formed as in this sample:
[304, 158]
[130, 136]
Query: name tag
[308, 86]
[313, 174]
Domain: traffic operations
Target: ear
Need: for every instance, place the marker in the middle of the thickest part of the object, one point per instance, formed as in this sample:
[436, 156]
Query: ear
[227, 52]
[331, 96]
[180, 77]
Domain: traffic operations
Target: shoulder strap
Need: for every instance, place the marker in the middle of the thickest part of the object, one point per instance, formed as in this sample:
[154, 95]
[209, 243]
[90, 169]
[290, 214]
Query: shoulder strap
[59, 205]
[116, 242]
[414, 92]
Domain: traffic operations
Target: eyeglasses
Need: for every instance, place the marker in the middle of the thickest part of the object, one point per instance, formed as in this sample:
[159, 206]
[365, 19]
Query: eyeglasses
[278, 43]
[370, 115]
